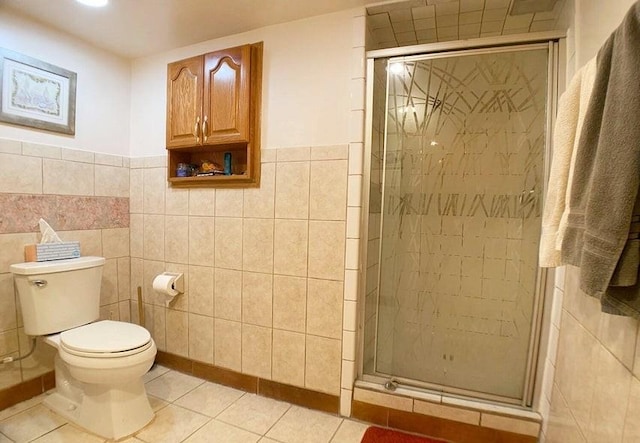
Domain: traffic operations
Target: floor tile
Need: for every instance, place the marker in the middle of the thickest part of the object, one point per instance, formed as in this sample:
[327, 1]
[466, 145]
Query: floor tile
[69, 434]
[23, 406]
[155, 372]
[172, 425]
[30, 424]
[156, 403]
[209, 399]
[304, 425]
[218, 432]
[350, 432]
[254, 413]
[191, 410]
[172, 385]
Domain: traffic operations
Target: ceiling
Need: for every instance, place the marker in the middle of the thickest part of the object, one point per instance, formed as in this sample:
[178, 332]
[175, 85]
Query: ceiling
[418, 22]
[137, 28]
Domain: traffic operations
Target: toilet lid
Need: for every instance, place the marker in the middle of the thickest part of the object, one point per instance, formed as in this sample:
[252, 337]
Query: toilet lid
[105, 336]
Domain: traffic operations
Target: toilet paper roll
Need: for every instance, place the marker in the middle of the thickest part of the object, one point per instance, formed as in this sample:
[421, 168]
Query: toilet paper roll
[163, 284]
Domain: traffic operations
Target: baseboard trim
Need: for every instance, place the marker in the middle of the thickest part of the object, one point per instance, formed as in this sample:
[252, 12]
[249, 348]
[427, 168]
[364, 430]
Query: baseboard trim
[25, 390]
[249, 383]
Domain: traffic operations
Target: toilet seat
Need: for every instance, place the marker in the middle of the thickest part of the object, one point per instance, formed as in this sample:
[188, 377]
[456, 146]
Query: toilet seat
[105, 354]
[105, 339]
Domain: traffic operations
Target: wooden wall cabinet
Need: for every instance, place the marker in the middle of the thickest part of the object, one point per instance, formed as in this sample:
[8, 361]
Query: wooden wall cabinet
[213, 107]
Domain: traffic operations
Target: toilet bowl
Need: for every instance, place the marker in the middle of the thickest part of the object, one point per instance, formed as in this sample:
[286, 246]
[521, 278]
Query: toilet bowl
[99, 364]
[99, 369]
[106, 351]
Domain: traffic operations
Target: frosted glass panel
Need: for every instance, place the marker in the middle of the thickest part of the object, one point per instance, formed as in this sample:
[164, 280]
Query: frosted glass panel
[463, 182]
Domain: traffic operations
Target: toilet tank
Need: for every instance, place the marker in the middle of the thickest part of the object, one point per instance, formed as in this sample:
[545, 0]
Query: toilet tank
[58, 295]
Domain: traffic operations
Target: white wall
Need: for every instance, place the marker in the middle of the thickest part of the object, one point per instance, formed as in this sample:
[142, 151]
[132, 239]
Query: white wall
[305, 89]
[103, 90]
[595, 21]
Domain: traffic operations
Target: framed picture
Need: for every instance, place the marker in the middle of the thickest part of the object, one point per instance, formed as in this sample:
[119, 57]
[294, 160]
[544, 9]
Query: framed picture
[36, 94]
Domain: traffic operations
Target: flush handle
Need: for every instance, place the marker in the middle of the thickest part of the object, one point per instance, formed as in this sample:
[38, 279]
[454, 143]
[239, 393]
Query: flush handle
[39, 283]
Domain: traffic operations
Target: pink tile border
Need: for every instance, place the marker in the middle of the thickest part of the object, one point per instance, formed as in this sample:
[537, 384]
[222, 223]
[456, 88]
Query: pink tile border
[21, 212]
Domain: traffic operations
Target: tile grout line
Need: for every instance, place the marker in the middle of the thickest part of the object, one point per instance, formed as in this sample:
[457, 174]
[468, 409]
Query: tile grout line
[209, 418]
[278, 420]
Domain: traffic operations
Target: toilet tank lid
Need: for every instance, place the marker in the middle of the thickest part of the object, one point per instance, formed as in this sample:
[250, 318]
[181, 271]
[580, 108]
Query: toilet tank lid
[48, 267]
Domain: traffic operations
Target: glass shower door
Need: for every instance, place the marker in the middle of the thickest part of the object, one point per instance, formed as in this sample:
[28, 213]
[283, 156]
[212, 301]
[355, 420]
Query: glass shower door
[463, 173]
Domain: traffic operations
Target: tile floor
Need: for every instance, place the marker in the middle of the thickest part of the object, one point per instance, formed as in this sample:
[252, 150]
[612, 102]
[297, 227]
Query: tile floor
[189, 409]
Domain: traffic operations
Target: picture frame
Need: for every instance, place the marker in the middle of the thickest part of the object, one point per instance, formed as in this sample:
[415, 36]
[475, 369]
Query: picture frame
[36, 94]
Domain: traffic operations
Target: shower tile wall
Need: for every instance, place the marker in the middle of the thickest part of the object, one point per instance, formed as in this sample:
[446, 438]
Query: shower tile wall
[84, 196]
[461, 221]
[264, 268]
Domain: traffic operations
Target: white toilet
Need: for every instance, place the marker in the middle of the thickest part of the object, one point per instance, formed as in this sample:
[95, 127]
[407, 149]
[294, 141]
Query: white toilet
[99, 364]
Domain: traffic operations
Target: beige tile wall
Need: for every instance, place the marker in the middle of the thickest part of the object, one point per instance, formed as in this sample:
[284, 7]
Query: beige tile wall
[264, 268]
[27, 168]
[594, 393]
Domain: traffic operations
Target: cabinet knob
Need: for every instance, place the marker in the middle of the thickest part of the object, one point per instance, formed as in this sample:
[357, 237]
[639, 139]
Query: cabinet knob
[205, 130]
[196, 129]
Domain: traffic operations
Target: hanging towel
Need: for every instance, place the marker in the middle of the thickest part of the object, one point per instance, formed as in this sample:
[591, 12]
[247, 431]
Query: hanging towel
[623, 294]
[572, 108]
[588, 78]
[607, 167]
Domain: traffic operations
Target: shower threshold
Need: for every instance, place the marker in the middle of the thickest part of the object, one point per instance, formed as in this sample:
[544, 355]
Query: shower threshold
[444, 397]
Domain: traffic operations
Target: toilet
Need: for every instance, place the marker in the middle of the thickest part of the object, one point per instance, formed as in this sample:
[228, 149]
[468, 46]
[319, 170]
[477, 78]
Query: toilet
[99, 364]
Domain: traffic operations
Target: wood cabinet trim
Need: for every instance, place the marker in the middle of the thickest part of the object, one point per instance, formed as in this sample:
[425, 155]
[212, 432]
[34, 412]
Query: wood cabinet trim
[181, 128]
[234, 126]
[234, 111]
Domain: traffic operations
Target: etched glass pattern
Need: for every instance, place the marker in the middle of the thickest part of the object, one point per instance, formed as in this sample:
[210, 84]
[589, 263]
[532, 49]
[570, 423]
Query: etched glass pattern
[461, 203]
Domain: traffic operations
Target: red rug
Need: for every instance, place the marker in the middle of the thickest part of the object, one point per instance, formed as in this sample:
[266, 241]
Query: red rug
[375, 434]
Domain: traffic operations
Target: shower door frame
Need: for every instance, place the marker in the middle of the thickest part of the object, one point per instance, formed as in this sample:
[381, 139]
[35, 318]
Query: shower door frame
[554, 41]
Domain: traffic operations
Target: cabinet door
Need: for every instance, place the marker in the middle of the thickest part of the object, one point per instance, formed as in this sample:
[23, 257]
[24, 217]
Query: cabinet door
[227, 96]
[184, 102]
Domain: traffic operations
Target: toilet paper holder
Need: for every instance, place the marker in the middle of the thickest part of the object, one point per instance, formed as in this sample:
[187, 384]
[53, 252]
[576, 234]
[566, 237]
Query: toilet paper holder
[169, 284]
[177, 282]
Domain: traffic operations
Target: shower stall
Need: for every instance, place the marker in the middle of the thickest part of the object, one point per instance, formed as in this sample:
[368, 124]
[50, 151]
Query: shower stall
[458, 152]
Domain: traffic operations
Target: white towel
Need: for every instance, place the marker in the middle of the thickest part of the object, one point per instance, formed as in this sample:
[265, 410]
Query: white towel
[572, 107]
[588, 77]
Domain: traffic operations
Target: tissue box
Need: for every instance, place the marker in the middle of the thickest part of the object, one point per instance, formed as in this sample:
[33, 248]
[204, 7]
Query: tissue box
[52, 251]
